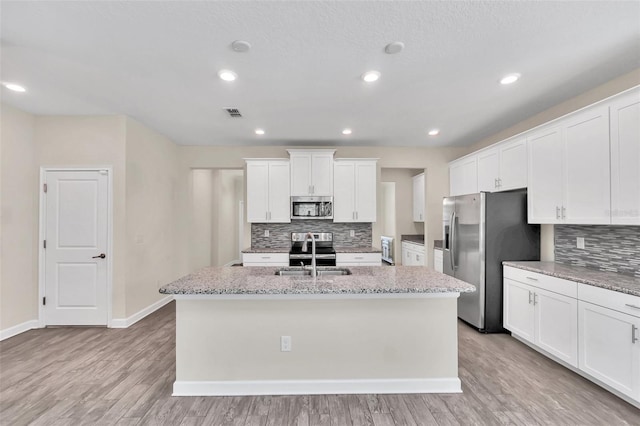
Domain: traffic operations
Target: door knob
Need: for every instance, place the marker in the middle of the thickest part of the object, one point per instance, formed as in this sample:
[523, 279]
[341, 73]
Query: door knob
[101, 256]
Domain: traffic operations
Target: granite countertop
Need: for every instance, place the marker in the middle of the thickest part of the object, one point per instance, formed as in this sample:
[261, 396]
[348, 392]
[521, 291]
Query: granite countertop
[364, 280]
[608, 280]
[417, 238]
[437, 244]
[342, 249]
[267, 250]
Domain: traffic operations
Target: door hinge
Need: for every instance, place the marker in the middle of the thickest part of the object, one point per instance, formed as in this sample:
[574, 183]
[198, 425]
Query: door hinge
[44, 187]
[44, 244]
[44, 300]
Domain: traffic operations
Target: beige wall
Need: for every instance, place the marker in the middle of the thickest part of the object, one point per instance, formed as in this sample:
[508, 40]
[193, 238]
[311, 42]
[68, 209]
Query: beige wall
[202, 213]
[18, 219]
[229, 192]
[152, 186]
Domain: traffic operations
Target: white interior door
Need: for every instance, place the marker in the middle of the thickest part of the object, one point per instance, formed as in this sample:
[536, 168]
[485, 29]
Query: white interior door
[76, 233]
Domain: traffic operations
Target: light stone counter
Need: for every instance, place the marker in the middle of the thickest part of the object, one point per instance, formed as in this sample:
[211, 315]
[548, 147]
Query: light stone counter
[364, 280]
[607, 280]
[381, 330]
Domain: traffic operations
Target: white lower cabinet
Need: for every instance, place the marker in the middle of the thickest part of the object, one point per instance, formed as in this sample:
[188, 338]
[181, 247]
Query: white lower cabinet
[437, 260]
[609, 324]
[413, 254]
[594, 330]
[544, 318]
[358, 259]
[265, 259]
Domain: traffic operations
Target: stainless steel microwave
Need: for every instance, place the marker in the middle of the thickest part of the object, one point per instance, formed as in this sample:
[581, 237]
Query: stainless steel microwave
[311, 207]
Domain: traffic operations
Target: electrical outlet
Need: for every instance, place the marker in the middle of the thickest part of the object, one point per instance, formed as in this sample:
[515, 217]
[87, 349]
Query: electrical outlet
[266, 232]
[352, 233]
[580, 242]
[285, 343]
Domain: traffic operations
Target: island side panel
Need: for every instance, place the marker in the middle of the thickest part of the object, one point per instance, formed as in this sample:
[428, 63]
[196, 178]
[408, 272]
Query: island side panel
[231, 347]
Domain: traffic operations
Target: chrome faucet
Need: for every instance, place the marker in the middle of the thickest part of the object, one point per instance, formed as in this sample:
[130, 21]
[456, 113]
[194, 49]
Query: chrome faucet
[313, 251]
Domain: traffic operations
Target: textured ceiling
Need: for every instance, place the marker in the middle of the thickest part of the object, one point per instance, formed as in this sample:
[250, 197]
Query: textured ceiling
[157, 62]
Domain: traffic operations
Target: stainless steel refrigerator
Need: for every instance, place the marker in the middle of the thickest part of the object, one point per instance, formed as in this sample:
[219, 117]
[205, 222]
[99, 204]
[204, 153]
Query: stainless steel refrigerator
[480, 231]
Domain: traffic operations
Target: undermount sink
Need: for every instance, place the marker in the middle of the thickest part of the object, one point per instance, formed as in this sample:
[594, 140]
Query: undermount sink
[296, 271]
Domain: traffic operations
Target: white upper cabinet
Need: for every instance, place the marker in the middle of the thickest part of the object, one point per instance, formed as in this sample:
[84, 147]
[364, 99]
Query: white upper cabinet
[311, 172]
[418, 198]
[625, 159]
[268, 191]
[569, 170]
[463, 176]
[488, 170]
[354, 195]
[513, 164]
[545, 176]
[503, 167]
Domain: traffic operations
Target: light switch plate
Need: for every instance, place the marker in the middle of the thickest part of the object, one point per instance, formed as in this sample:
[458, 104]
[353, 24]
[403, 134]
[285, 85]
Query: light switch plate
[580, 242]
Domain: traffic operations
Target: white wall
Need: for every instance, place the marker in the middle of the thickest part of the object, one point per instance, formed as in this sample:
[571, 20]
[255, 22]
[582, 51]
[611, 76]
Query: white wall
[18, 219]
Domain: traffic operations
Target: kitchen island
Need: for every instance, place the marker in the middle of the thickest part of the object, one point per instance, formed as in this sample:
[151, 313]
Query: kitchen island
[378, 330]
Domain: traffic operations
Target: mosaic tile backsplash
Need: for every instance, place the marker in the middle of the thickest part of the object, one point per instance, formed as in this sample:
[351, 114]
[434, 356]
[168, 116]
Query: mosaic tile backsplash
[606, 248]
[280, 233]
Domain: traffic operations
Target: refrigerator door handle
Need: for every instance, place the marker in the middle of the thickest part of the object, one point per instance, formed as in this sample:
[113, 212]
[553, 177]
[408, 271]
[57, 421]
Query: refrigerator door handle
[453, 240]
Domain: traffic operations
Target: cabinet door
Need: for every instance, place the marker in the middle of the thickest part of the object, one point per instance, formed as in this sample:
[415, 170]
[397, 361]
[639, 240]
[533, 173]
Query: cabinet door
[625, 159]
[489, 170]
[257, 191]
[463, 177]
[418, 198]
[322, 174]
[586, 167]
[607, 348]
[344, 192]
[420, 259]
[365, 191]
[556, 325]
[407, 259]
[300, 174]
[279, 200]
[518, 309]
[545, 176]
[513, 165]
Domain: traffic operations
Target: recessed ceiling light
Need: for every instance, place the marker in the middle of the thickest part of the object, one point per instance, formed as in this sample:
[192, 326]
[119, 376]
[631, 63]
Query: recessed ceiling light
[227, 75]
[259, 131]
[371, 76]
[241, 46]
[510, 78]
[433, 132]
[14, 87]
[346, 132]
[395, 47]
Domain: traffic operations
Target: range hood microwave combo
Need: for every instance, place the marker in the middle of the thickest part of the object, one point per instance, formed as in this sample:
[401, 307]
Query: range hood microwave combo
[311, 207]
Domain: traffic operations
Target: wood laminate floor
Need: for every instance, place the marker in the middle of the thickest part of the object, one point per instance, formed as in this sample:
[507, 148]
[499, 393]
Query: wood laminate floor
[99, 376]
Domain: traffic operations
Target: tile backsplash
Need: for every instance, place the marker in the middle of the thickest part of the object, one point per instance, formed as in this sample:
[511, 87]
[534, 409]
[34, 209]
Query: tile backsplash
[280, 233]
[606, 248]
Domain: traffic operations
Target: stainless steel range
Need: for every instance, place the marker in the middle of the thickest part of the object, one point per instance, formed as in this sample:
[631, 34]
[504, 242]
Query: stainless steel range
[325, 254]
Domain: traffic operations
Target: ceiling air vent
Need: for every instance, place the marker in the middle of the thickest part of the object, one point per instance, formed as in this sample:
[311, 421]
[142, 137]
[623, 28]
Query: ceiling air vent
[233, 112]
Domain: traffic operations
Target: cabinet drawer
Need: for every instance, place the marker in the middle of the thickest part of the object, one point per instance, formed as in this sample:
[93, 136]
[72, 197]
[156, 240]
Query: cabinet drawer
[358, 258]
[258, 259]
[407, 245]
[546, 282]
[615, 300]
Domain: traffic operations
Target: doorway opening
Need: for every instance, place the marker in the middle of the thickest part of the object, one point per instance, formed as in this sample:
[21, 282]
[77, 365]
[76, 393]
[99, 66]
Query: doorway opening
[218, 227]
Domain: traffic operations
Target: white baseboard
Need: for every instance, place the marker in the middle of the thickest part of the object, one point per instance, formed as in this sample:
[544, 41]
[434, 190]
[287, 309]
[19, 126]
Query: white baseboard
[316, 387]
[128, 322]
[17, 329]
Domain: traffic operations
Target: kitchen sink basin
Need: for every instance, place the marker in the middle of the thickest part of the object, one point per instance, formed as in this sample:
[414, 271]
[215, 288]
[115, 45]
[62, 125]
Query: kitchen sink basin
[307, 272]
